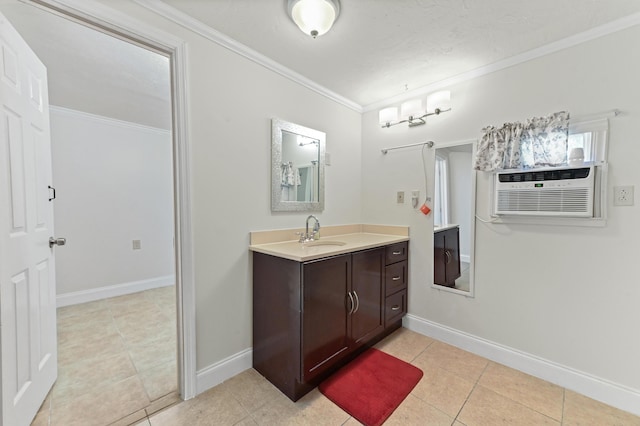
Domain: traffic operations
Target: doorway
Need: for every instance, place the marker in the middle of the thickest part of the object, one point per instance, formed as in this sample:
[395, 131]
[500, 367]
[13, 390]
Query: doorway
[172, 50]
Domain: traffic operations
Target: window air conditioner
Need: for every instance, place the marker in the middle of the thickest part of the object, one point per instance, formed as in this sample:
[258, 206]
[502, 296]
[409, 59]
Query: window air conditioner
[560, 191]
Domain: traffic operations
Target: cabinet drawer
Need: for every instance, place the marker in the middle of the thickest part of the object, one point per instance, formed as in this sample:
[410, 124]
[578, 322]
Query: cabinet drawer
[395, 307]
[395, 277]
[396, 252]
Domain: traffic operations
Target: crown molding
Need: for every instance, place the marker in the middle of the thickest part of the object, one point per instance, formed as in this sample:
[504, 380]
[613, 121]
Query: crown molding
[576, 39]
[103, 119]
[227, 42]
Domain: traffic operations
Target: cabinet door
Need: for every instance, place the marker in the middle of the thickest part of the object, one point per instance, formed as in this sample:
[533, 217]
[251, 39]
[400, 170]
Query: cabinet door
[452, 255]
[325, 305]
[367, 318]
[439, 261]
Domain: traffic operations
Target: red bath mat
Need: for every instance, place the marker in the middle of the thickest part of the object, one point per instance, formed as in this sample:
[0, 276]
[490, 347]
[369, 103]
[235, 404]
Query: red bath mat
[371, 386]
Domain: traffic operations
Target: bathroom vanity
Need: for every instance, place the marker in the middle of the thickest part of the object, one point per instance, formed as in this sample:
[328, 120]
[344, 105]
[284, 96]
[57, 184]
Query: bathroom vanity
[318, 305]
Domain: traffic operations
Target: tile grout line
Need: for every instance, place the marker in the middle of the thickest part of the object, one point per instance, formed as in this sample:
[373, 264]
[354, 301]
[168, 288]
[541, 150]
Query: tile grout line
[559, 422]
[455, 419]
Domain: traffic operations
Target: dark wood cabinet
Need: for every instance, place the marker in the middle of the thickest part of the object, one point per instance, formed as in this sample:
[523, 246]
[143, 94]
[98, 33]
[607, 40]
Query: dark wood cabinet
[325, 322]
[446, 256]
[367, 317]
[310, 318]
[396, 278]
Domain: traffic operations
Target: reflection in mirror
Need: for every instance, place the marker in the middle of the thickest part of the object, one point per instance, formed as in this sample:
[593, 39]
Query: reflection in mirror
[297, 167]
[300, 157]
[454, 218]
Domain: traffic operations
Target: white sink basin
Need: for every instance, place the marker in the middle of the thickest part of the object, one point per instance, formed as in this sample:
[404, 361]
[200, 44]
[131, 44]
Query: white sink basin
[324, 243]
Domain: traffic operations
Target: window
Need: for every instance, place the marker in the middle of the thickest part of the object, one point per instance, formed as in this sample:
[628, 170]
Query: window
[441, 195]
[580, 140]
[591, 136]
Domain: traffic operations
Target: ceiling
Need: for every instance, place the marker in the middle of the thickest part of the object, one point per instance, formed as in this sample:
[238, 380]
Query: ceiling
[377, 49]
[92, 72]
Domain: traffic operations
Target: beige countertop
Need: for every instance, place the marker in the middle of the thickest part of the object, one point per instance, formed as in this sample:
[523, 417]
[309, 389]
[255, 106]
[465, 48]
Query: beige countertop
[445, 227]
[331, 242]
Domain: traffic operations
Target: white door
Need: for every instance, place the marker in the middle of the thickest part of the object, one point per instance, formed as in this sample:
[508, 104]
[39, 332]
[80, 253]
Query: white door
[27, 276]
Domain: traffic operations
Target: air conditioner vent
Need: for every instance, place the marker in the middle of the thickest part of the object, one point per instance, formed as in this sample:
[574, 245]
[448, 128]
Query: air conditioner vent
[558, 192]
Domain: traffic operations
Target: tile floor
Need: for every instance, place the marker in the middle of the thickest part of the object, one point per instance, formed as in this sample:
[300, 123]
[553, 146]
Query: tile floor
[458, 388]
[116, 361]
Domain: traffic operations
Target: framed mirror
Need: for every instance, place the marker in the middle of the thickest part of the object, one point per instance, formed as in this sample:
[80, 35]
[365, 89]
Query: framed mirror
[297, 167]
[454, 217]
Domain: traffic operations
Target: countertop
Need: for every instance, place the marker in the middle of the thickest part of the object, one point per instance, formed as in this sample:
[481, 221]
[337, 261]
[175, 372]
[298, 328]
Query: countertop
[302, 252]
[445, 227]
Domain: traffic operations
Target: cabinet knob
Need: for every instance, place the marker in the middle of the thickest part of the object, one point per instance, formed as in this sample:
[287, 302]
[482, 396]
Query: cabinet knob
[395, 308]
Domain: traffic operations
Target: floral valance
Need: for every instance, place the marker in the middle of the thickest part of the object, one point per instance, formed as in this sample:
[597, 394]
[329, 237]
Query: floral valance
[538, 142]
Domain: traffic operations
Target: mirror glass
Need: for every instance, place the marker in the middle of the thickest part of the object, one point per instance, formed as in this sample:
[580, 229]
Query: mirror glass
[454, 217]
[297, 167]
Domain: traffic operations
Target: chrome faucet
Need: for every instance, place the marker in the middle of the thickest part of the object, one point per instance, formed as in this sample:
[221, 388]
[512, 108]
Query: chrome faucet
[315, 233]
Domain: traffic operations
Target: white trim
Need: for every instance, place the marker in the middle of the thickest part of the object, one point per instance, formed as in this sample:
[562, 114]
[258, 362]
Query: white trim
[610, 393]
[76, 297]
[227, 42]
[184, 232]
[101, 119]
[118, 24]
[223, 370]
[583, 37]
[465, 258]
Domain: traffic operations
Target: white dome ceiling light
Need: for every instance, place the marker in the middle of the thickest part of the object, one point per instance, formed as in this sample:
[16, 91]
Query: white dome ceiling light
[314, 17]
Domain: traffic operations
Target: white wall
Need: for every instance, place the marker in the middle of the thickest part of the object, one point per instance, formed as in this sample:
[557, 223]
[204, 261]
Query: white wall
[565, 294]
[114, 185]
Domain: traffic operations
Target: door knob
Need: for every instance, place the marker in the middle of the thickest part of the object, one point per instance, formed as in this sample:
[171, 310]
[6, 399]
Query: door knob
[57, 241]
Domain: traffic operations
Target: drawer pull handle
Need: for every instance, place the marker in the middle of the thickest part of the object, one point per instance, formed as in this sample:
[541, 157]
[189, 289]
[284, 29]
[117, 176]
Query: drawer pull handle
[396, 253]
[395, 308]
[353, 305]
[396, 278]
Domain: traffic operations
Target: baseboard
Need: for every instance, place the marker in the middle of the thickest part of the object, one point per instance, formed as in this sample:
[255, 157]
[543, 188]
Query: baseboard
[73, 298]
[223, 370]
[610, 393]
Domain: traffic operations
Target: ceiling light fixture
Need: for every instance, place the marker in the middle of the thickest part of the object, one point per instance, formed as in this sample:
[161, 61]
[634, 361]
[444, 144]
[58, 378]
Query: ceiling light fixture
[412, 111]
[314, 17]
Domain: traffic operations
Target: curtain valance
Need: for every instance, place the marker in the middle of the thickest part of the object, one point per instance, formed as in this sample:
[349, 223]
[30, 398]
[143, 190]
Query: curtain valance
[538, 142]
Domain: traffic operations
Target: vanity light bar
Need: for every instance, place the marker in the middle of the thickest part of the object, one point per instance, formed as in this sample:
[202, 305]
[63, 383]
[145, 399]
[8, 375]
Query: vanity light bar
[413, 112]
[414, 121]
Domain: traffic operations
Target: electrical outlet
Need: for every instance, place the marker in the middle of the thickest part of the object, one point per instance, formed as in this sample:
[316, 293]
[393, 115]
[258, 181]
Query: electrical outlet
[400, 197]
[137, 245]
[623, 195]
